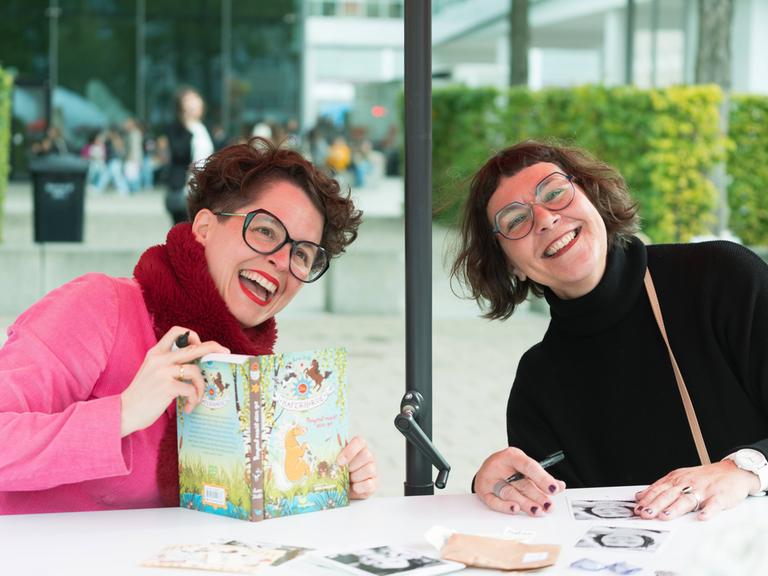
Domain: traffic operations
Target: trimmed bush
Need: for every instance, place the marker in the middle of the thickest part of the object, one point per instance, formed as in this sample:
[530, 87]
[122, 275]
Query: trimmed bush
[462, 130]
[6, 86]
[748, 169]
[664, 142]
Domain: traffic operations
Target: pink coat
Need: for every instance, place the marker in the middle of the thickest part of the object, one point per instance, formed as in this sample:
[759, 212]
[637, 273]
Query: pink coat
[66, 361]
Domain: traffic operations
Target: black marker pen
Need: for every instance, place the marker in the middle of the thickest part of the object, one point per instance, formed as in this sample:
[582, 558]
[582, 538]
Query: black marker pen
[550, 460]
[181, 342]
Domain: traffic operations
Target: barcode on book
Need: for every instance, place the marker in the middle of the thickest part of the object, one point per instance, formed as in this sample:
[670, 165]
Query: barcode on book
[215, 496]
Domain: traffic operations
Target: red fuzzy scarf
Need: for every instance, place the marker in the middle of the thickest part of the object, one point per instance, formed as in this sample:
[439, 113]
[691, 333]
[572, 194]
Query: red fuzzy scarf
[179, 291]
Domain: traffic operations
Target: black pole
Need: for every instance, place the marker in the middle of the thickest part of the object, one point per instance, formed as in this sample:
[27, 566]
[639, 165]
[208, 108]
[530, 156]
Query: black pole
[418, 231]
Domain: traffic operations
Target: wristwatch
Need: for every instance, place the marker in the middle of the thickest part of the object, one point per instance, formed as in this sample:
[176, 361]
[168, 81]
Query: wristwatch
[753, 461]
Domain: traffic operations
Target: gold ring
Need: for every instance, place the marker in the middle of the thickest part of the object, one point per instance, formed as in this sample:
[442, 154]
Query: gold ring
[688, 491]
[181, 372]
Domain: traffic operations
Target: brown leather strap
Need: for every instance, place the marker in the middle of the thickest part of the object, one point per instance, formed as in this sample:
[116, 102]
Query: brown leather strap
[689, 411]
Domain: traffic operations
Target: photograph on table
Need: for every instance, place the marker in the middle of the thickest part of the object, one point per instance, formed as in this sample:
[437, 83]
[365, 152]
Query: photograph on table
[623, 537]
[386, 560]
[602, 509]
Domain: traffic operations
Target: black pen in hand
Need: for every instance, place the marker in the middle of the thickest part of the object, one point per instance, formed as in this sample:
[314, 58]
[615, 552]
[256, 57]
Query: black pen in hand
[181, 342]
[550, 460]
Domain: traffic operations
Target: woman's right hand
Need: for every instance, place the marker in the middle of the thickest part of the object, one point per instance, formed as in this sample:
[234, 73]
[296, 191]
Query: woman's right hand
[164, 375]
[531, 494]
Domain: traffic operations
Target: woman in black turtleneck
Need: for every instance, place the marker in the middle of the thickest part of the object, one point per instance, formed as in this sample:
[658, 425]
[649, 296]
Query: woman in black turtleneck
[600, 385]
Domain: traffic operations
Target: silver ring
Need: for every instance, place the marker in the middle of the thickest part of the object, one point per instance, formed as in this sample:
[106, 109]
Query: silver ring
[688, 491]
[498, 487]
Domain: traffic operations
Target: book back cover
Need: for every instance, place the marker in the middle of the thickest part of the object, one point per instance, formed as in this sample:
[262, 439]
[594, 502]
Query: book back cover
[215, 443]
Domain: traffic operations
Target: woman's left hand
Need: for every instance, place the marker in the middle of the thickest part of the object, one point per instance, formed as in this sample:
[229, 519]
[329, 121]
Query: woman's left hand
[703, 489]
[363, 477]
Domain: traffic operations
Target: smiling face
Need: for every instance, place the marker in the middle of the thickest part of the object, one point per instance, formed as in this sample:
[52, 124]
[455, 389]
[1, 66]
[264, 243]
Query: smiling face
[566, 250]
[613, 510]
[254, 286]
[623, 540]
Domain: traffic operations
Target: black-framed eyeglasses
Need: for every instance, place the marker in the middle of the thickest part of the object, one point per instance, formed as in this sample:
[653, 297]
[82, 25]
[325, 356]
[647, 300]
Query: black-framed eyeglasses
[265, 233]
[555, 192]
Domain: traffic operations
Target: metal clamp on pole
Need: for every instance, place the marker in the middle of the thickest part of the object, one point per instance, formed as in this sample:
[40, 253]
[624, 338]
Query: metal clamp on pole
[407, 423]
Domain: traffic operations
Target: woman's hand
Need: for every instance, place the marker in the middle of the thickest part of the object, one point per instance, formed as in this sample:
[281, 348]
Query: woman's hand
[703, 489]
[531, 494]
[164, 375]
[363, 478]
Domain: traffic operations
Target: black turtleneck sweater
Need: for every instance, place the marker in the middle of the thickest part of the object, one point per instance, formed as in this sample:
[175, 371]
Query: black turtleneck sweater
[600, 384]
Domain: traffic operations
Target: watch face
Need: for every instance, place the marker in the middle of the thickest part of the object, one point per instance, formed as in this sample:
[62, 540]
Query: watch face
[749, 460]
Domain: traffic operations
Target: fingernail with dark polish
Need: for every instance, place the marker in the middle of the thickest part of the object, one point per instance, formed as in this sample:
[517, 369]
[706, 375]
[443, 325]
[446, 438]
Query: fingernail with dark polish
[547, 505]
[552, 488]
[534, 509]
[648, 511]
[665, 512]
[513, 508]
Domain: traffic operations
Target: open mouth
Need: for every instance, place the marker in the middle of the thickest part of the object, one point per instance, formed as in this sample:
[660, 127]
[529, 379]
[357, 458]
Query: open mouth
[562, 244]
[258, 286]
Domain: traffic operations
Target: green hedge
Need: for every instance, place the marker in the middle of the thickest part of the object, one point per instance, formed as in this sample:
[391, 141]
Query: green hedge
[6, 86]
[664, 142]
[748, 169]
[462, 127]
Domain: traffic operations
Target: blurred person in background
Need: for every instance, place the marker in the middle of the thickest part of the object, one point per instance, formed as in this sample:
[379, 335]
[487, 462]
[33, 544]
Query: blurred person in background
[134, 154]
[339, 155]
[189, 145]
[96, 153]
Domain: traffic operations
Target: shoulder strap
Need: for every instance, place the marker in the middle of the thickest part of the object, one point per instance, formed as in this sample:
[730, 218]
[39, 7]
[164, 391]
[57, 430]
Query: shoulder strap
[689, 411]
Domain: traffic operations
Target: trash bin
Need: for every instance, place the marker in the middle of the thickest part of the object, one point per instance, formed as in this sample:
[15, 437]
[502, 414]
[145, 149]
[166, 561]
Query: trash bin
[58, 197]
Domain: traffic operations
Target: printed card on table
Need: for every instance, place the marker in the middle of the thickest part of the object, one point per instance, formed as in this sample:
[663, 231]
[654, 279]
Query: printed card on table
[386, 561]
[229, 556]
[623, 538]
[602, 509]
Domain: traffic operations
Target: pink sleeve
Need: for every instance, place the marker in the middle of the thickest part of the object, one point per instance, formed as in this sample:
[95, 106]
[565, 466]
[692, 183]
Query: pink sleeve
[53, 430]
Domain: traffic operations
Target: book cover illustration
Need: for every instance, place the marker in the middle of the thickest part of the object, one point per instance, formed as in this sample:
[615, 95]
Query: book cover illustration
[263, 441]
[305, 425]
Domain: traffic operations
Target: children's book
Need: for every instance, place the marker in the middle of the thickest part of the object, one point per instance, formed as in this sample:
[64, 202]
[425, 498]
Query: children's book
[263, 441]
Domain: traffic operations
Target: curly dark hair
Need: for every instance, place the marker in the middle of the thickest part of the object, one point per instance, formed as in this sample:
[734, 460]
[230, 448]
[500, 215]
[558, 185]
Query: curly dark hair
[481, 265]
[231, 178]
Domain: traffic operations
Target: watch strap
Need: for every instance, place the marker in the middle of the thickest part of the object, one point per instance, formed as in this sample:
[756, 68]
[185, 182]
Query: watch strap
[761, 472]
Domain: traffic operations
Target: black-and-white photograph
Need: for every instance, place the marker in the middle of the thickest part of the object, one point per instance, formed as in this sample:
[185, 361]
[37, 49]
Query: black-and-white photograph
[602, 509]
[623, 537]
[385, 560]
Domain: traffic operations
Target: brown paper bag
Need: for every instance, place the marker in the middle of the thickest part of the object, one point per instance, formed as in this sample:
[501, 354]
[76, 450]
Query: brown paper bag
[497, 553]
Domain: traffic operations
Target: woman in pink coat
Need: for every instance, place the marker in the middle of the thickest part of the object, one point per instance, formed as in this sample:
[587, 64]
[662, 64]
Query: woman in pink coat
[88, 377]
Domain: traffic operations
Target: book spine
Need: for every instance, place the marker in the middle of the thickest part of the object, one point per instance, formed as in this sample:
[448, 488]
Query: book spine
[257, 465]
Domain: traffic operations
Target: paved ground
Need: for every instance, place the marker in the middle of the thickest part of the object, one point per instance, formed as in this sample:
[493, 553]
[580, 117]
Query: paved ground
[473, 360]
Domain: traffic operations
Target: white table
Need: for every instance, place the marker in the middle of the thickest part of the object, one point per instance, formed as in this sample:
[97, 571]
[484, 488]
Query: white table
[115, 543]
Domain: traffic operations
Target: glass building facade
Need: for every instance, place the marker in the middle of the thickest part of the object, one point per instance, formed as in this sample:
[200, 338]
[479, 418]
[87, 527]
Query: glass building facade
[99, 62]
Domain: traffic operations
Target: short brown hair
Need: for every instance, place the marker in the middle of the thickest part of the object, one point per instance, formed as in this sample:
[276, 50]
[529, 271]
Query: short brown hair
[481, 265]
[230, 178]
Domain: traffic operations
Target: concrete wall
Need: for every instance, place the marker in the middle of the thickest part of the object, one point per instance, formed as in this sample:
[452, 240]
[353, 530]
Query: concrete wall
[368, 279]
